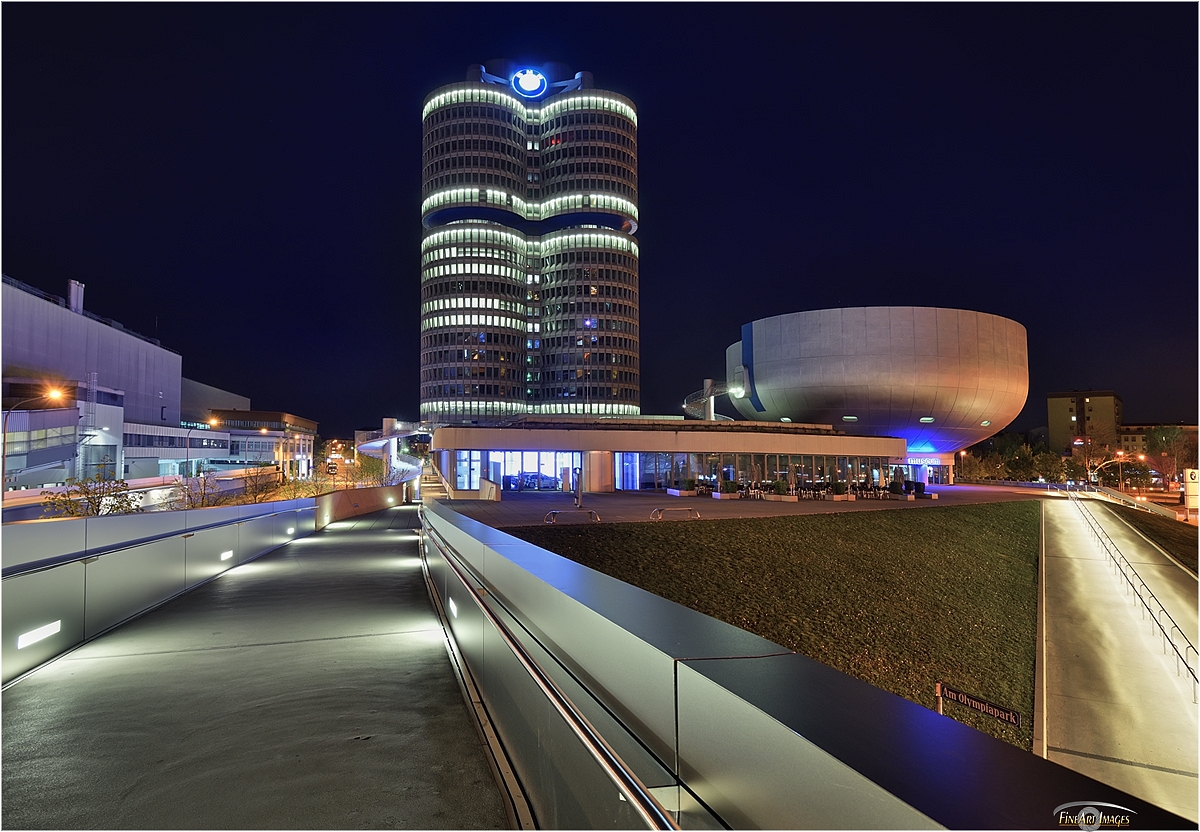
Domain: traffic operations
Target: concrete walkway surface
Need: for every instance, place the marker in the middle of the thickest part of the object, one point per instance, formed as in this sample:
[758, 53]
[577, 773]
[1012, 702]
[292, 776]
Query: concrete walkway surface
[1115, 708]
[309, 689]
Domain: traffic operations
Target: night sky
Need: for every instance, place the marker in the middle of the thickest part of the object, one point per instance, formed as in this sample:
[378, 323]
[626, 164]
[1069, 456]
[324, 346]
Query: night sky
[242, 181]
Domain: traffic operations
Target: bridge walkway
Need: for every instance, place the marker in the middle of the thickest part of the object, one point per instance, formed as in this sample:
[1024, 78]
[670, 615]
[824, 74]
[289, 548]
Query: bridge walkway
[308, 689]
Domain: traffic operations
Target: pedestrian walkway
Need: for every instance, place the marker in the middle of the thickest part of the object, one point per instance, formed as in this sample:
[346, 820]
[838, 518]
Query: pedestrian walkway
[1115, 708]
[308, 689]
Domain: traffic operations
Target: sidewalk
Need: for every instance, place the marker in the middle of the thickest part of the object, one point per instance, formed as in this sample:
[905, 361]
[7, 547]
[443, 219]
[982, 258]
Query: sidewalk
[308, 689]
[1115, 709]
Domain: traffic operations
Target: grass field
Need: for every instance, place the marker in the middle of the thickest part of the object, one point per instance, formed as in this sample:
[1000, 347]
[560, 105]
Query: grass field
[1180, 539]
[900, 599]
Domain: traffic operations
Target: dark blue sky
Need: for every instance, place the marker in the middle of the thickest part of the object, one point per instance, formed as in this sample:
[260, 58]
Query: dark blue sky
[243, 180]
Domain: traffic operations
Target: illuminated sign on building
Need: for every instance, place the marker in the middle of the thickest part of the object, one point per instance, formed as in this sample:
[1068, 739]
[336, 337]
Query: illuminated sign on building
[924, 460]
[529, 83]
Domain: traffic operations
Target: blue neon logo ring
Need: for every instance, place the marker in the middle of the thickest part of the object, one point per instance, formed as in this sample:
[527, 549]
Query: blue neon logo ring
[529, 82]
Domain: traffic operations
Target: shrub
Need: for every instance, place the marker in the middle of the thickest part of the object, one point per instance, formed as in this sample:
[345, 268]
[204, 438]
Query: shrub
[920, 488]
[895, 488]
[840, 487]
[689, 485]
[728, 487]
[781, 487]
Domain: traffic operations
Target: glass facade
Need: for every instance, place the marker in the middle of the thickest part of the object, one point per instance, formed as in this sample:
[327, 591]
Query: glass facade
[529, 266]
[517, 470]
[667, 470]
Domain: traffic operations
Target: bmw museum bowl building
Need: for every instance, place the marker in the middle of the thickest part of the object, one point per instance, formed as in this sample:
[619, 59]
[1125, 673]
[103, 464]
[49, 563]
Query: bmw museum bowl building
[941, 379]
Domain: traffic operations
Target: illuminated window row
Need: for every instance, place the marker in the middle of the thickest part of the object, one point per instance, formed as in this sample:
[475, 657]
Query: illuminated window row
[590, 408]
[563, 203]
[432, 272]
[491, 94]
[453, 252]
[440, 321]
[455, 235]
[474, 95]
[442, 304]
[571, 103]
[559, 240]
[529, 210]
[481, 407]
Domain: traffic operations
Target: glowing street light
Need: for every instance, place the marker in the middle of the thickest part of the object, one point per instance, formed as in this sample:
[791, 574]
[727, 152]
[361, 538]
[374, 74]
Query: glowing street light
[53, 394]
[1120, 463]
[187, 441]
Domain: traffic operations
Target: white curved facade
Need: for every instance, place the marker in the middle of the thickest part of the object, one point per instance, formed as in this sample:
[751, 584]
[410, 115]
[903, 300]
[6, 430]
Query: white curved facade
[941, 379]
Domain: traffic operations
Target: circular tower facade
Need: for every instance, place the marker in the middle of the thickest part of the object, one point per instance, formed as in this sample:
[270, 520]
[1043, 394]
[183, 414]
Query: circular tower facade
[529, 266]
[942, 379]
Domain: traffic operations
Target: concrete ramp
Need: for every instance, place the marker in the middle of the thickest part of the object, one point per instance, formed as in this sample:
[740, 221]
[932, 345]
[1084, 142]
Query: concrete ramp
[1115, 707]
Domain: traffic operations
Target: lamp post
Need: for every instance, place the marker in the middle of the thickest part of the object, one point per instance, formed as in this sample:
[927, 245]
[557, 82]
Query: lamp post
[187, 441]
[53, 395]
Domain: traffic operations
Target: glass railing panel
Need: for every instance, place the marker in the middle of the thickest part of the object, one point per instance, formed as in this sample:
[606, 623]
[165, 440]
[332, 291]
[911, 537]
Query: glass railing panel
[646, 767]
[566, 787]
[122, 584]
[209, 552]
[755, 772]
[43, 616]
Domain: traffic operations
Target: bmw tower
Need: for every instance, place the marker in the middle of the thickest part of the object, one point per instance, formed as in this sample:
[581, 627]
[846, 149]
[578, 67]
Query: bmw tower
[529, 264]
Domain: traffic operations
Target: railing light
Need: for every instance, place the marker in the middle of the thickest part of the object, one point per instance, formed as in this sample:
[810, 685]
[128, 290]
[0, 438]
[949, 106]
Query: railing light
[291, 529]
[453, 609]
[34, 636]
[227, 555]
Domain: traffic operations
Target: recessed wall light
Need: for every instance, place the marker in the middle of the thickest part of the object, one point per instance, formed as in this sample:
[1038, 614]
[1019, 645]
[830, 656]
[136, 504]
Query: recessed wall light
[985, 423]
[926, 419]
[34, 636]
[849, 418]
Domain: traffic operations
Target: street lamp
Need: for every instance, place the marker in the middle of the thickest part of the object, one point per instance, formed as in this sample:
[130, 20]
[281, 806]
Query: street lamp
[187, 441]
[52, 394]
[1120, 468]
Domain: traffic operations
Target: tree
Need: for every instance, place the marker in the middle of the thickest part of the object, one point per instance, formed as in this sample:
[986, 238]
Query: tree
[91, 497]
[294, 488]
[259, 482]
[200, 491]
[970, 467]
[1019, 462]
[1049, 466]
[1168, 449]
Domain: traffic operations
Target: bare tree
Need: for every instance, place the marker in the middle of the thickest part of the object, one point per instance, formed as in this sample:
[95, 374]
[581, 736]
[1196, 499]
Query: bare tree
[200, 491]
[259, 483]
[92, 497]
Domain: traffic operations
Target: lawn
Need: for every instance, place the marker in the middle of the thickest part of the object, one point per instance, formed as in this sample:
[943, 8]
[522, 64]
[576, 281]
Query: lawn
[900, 599]
[1180, 539]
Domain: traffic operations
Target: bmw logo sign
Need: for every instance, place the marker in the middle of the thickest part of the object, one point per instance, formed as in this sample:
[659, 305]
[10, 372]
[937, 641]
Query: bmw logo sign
[529, 83]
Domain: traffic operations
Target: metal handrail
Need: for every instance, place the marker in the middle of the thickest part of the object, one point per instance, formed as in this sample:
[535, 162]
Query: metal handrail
[657, 514]
[628, 783]
[552, 516]
[1122, 564]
